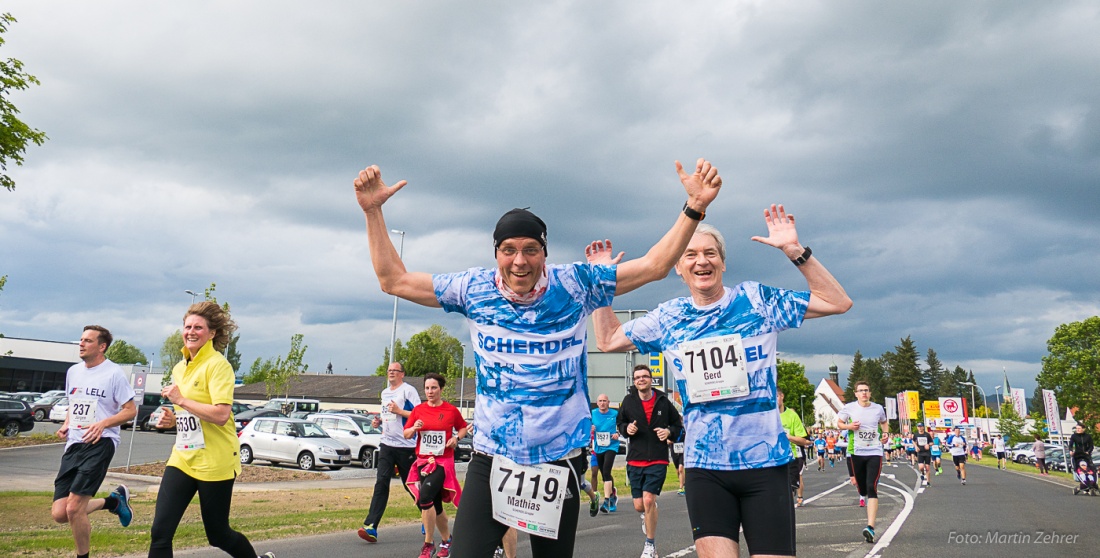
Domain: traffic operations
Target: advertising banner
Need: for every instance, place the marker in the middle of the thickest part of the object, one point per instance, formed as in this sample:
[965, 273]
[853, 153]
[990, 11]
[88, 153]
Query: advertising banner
[657, 368]
[931, 410]
[912, 405]
[1054, 423]
[953, 408]
[1018, 401]
[891, 408]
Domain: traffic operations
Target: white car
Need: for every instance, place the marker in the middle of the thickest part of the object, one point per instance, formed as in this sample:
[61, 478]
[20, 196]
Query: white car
[354, 430]
[287, 440]
[60, 410]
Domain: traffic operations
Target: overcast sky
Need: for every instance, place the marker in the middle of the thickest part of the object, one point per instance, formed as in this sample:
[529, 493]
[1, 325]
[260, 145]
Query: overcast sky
[942, 159]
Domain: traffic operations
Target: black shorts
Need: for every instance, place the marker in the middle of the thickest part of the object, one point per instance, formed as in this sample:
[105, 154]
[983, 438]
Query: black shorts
[866, 469]
[1000, 455]
[757, 499]
[646, 479]
[958, 459]
[83, 468]
[605, 461]
[924, 458]
[431, 489]
[794, 472]
[677, 459]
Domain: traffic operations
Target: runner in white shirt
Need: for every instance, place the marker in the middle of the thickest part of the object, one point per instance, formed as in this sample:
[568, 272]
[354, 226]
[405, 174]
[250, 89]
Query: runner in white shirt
[100, 400]
[957, 444]
[869, 427]
[999, 450]
[398, 400]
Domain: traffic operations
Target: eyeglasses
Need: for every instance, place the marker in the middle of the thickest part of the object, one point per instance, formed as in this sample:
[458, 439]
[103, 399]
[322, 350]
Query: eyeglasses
[636, 378]
[863, 390]
[528, 251]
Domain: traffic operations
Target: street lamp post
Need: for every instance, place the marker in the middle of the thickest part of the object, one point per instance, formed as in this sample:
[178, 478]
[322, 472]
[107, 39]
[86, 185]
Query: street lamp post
[802, 407]
[1000, 403]
[193, 295]
[972, 386]
[393, 333]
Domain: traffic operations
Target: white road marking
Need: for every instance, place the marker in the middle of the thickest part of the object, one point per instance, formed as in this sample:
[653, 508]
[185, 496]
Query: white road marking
[884, 540]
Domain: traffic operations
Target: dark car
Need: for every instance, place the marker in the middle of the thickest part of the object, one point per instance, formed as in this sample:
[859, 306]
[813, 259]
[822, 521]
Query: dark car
[15, 417]
[150, 402]
[41, 408]
[28, 397]
[246, 417]
[464, 449]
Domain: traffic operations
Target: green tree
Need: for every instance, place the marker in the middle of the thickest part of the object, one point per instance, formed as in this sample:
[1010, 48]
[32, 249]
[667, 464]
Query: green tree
[933, 376]
[952, 384]
[903, 368]
[14, 133]
[1039, 425]
[121, 352]
[791, 380]
[1072, 368]
[855, 374]
[398, 350]
[431, 350]
[171, 352]
[874, 373]
[278, 373]
[1011, 425]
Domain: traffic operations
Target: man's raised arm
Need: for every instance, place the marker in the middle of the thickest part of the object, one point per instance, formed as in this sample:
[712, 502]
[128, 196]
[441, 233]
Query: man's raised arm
[702, 187]
[371, 193]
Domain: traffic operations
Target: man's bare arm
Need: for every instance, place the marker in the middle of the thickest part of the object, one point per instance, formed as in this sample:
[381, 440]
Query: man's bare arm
[702, 187]
[608, 329]
[827, 297]
[394, 279]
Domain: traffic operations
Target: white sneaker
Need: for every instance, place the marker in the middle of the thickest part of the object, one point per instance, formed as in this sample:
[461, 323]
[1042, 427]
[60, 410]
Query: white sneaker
[644, 532]
[649, 551]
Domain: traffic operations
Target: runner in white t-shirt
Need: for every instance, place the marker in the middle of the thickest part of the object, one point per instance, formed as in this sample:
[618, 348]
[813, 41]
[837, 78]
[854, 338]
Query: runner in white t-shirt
[957, 444]
[398, 401]
[869, 427]
[999, 450]
[100, 400]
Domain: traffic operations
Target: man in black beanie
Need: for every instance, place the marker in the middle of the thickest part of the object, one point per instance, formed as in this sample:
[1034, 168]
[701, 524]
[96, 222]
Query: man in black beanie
[528, 323]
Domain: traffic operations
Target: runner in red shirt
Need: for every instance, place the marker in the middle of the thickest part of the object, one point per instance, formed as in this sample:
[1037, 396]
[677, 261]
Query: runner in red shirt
[432, 479]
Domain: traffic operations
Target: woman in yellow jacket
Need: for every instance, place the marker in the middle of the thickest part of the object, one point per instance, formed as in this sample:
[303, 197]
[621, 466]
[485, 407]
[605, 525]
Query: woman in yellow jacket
[204, 459]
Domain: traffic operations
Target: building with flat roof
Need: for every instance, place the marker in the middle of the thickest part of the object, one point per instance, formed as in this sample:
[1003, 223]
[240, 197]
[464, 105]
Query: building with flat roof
[35, 365]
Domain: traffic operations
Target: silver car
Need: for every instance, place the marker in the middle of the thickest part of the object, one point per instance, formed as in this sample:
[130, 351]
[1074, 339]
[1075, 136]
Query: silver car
[287, 440]
[354, 430]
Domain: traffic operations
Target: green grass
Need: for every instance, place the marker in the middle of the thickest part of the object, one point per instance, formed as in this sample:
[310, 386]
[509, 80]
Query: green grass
[991, 462]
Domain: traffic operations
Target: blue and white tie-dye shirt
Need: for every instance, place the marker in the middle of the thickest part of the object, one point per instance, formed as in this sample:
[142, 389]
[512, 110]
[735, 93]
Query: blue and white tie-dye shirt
[531, 360]
[743, 432]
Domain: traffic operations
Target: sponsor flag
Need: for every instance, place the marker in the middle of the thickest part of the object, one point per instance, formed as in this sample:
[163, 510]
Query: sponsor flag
[912, 405]
[657, 369]
[1018, 401]
[1054, 425]
[891, 408]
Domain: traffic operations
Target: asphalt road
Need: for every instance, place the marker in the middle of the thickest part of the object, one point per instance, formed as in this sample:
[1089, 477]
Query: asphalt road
[996, 513]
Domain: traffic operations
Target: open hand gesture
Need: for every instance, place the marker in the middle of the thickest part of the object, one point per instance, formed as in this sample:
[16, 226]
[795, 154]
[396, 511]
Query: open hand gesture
[702, 186]
[781, 231]
[370, 191]
[599, 252]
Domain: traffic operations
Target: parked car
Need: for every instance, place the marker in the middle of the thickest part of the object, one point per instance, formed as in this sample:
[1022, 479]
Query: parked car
[464, 449]
[60, 410]
[54, 393]
[154, 419]
[28, 397]
[287, 440]
[41, 408]
[289, 405]
[354, 430]
[15, 417]
[239, 407]
[241, 420]
[150, 401]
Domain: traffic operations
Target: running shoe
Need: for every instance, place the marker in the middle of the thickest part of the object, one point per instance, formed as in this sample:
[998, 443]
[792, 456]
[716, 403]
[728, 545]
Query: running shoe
[644, 532]
[869, 534]
[267, 555]
[923, 482]
[124, 512]
[964, 482]
[939, 471]
[498, 553]
[958, 474]
[427, 550]
[604, 507]
[614, 505]
[444, 548]
[594, 506]
[862, 502]
[368, 533]
[649, 550]
[681, 492]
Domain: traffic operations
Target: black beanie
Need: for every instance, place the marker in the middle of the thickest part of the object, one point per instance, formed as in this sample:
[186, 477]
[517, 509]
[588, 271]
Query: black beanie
[520, 223]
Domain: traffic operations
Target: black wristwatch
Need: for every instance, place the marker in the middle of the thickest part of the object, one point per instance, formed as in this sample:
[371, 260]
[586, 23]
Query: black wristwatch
[803, 258]
[692, 214]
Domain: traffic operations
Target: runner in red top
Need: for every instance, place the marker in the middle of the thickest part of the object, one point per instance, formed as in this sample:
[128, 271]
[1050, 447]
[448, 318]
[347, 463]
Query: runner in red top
[432, 479]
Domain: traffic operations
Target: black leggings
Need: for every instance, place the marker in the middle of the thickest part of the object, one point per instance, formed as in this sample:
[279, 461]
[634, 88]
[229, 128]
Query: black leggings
[477, 534]
[606, 462]
[176, 491]
[431, 489]
[867, 469]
